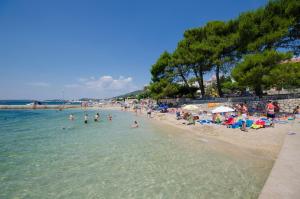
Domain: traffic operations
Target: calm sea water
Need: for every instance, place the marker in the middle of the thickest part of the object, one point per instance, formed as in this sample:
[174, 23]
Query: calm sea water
[44, 155]
[24, 102]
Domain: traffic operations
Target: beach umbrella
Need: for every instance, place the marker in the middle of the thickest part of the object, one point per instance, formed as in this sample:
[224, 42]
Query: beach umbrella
[222, 109]
[191, 107]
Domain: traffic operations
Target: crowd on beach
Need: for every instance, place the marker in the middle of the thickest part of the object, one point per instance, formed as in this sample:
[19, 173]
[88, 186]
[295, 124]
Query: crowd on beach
[238, 117]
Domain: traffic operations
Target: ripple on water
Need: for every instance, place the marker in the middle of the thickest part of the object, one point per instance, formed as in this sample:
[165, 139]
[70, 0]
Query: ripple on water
[43, 155]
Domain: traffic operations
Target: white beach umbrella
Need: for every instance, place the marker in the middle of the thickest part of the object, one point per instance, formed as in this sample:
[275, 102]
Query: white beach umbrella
[222, 109]
[191, 107]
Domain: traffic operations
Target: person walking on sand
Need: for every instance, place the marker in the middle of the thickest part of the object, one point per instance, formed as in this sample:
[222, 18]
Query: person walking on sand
[270, 109]
[244, 111]
[86, 118]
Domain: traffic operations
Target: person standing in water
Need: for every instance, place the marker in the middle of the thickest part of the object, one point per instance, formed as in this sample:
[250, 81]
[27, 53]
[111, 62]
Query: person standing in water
[86, 118]
[97, 116]
[109, 117]
[71, 117]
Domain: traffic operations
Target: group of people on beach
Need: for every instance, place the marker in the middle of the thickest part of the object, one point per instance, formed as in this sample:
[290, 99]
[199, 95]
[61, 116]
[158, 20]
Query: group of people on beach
[241, 117]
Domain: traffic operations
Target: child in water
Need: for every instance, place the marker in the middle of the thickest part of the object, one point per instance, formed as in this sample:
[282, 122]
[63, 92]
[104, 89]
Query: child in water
[109, 117]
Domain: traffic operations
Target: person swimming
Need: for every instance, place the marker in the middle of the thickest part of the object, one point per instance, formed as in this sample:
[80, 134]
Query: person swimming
[97, 116]
[135, 124]
[86, 118]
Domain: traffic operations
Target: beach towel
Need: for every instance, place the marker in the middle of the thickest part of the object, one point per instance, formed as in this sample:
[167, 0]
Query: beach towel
[229, 122]
[204, 121]
[260, 122]
[256, 126]
[237, 124]
[249, 123]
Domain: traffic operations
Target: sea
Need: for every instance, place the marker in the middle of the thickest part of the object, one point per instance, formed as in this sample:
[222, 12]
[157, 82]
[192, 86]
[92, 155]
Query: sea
[45, 155]
[24, 102]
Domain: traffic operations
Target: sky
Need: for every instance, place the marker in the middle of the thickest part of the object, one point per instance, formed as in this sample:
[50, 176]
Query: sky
[54, 49]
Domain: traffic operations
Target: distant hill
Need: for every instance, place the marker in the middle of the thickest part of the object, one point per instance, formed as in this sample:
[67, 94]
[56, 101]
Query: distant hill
[131, 94]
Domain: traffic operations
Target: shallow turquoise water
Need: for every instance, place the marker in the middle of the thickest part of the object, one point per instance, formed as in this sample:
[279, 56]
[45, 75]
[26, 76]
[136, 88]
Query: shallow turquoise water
[44, 155]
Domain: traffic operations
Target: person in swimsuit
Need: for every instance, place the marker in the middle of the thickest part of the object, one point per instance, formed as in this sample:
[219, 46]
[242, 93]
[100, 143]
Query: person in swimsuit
[86, 118]
[71, 117]
[244, 111]
[96, 117]
[270, 109]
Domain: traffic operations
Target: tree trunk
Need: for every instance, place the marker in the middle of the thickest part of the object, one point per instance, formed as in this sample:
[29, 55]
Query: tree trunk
[186, 83]
[258, 91]
[218, 81]
[202, 87]
[199, 80]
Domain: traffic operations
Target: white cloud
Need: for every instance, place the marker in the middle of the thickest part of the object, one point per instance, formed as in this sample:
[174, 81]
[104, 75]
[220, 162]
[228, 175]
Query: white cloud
[39, 84]
[109, 83]
[103, 86]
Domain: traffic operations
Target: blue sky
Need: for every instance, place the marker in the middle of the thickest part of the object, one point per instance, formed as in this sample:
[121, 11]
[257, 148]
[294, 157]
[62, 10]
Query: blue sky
[94, 48]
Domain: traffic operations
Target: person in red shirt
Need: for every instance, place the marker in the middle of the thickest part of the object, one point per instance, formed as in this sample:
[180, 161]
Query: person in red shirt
[270, 109]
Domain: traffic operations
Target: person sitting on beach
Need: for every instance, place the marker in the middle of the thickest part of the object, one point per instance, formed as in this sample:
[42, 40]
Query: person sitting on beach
[270, 109]
[296, 110]
[71, 117]
[178, 117]
[86, 118]
[214, 116]
[191, 120]
[96, 117]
